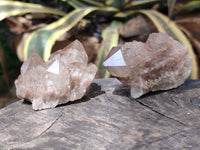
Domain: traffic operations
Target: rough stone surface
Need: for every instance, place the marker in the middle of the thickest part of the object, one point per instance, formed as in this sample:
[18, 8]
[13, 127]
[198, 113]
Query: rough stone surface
[64, 77]
[159, 64]
[107, 119]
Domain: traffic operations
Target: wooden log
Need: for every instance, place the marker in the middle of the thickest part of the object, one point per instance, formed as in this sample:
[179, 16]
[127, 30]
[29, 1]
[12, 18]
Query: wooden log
[107, 119]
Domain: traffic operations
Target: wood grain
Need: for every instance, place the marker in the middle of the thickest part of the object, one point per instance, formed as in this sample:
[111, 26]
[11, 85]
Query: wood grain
[107, 119]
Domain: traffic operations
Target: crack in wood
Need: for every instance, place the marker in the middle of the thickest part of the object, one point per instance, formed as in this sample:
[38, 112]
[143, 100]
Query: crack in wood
[150, 108]
[172, 99]
[51, 125]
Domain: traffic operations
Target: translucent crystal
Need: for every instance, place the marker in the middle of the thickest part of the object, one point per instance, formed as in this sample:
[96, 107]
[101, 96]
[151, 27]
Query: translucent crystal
[66, 76]
[159, 64]
[31, 62]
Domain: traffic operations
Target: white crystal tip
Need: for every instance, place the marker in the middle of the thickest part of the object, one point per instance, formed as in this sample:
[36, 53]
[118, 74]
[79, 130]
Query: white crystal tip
[116, 59]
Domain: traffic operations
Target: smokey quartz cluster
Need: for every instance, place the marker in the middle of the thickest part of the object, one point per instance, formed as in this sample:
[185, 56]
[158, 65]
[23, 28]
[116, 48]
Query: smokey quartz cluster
[65, 77]
[161, 63]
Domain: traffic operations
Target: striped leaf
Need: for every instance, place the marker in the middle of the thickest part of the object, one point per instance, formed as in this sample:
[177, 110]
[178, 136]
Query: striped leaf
[13, 8]
[116, 3]
[42, 40]
[140, 3]
[191, 6]
[97, 3]
[110, 37]
[84, 3]
[76, 3]
[93, 3]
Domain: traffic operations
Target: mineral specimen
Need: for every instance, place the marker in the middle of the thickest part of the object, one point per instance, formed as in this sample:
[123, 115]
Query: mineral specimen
[64, 77]
[159, 64]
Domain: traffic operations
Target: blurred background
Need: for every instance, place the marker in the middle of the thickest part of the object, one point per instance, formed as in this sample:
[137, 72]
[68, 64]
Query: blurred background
[43, 26]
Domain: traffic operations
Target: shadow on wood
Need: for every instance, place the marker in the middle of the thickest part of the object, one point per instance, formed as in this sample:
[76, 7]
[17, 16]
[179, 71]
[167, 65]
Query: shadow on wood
[106, 118]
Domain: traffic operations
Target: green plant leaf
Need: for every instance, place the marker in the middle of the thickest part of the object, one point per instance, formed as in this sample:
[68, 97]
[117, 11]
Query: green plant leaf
[42, 40]
[13, 8]
[140, 3]
[93, 3]
[116, 3]
[191, 6]
[76, 3]
[110, 37]
[164, 24]
[133, 6]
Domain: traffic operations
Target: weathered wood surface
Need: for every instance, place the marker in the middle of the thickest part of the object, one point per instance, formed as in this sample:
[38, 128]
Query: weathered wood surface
[107, 119]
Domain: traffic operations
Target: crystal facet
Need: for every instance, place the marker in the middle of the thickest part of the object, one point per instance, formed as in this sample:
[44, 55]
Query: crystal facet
[54, 68]
[115, 60]
[159, 64]
[66, 76]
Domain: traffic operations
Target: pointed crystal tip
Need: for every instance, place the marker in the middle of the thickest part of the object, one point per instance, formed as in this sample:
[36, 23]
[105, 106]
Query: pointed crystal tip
[54, 68]
[116, 59]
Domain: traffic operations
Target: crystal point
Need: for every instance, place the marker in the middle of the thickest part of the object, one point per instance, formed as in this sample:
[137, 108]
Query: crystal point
[54, 68]
[65, 77]
[115, 60]
[161, 63]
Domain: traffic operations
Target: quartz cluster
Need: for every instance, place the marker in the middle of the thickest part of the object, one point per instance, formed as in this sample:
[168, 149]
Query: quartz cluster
[161, 63]
[66, 76]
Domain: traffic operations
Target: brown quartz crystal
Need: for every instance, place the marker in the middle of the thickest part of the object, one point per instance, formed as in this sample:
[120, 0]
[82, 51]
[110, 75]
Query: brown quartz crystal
[161, 63]
[65, 77]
